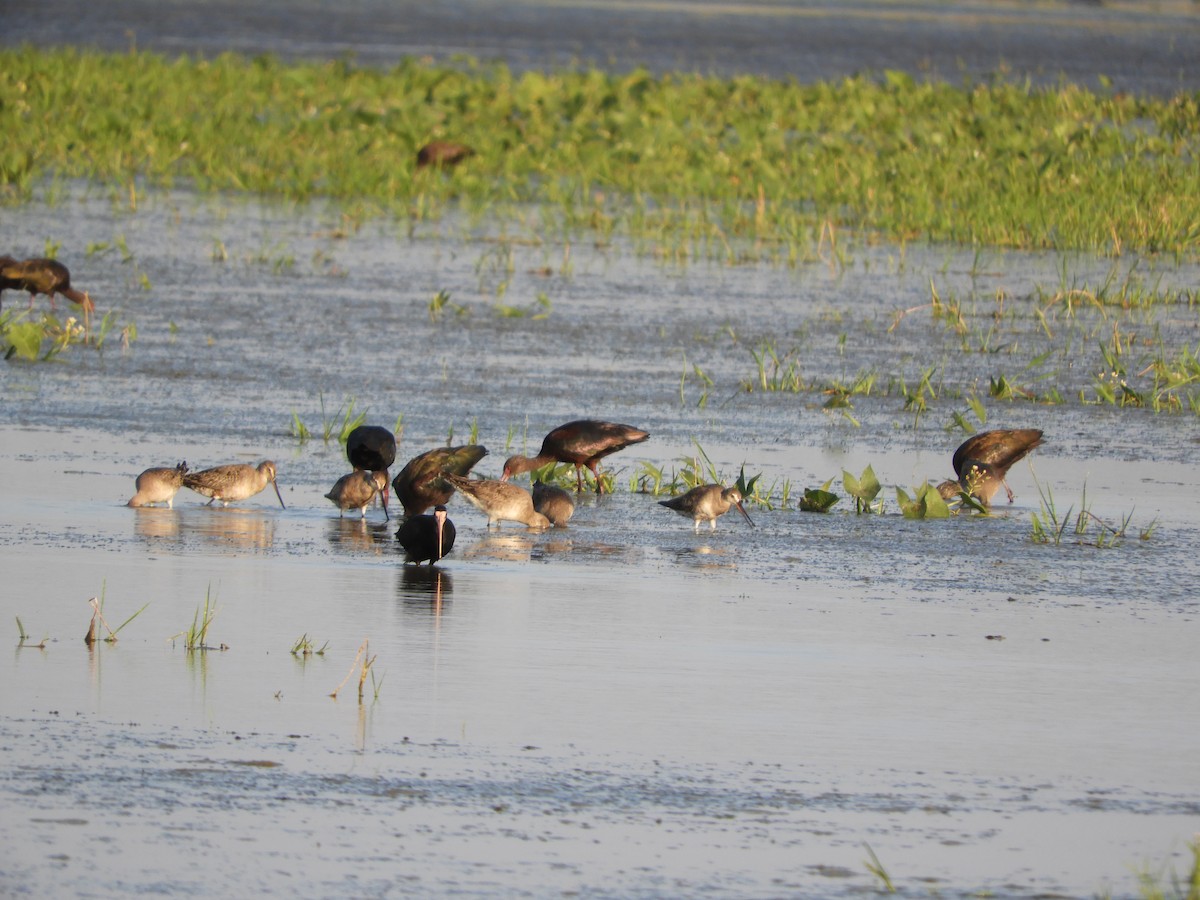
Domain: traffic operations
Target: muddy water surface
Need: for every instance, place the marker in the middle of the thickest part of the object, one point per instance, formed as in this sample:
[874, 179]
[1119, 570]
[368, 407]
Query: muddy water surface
[622, 707]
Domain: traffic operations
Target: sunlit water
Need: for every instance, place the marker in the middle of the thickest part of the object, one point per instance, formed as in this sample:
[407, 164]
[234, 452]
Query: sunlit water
[622, 707]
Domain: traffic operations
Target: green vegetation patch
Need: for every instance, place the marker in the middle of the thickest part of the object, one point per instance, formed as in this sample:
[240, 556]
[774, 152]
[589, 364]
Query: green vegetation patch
[689, 164]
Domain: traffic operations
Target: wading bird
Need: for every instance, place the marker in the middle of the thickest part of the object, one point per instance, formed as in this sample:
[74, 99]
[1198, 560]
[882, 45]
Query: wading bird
[357, 490]
[421, 484]
[553, 502]
[583, 442]
[427, 537]
[158, 485]
[501, 502]
[233, 482]
[706, 503]
[41, 276]
[982, 461]
[372, 448]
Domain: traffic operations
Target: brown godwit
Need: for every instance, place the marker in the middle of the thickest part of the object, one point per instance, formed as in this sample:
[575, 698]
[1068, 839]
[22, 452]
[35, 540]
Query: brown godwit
[420, 484]
[706, 503]
[158, 485]
[442, 154]
[583, 442]
[233, 482]
[500, 501]
[41, 276]
[357, 490]
[427, 537]
[553, 502]
[982, 461]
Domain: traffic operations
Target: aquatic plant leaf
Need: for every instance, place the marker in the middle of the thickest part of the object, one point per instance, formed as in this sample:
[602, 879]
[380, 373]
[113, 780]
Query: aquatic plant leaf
[818, 500]
[25, 339]
[864, 488]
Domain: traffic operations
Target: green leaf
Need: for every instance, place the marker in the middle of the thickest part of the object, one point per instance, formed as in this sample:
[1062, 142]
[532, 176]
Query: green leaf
[817, 500]
[26, 339]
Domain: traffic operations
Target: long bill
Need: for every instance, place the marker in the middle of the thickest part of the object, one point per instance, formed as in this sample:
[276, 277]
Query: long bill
[439, 517]
[745, 515]
[275, 485]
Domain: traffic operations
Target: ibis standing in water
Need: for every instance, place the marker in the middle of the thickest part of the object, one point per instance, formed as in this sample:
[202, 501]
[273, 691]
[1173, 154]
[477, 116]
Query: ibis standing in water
[707, 503]
[583, 442]
[372, 448]
[41, 276]
[982, 461]
[427, 537]
[233, 482]
[421, 484]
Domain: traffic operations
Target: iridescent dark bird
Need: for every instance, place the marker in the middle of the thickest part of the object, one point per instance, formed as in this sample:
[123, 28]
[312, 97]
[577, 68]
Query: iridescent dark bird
[41, 276]
[583, 442]
[554, 503]
[158, 485]
[427, 537]
[501, 502]
[982, 461]
[371, 448]
[420, 484]
[707, 503]
[442, 154]
[233, 482]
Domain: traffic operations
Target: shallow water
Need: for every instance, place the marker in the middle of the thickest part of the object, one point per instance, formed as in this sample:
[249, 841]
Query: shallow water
[622, 708]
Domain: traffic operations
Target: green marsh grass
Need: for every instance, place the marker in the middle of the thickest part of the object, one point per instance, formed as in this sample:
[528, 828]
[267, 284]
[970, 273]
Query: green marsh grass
[195, 636]
[305, 647]
[685, 165]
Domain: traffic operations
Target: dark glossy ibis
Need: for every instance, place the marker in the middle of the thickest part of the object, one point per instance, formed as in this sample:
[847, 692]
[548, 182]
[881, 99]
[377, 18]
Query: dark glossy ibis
[553, 502]
[158, 485]
[420, 484]
[373, 449]
[357, 490]
[427, 537]
[583, 442]
[982, 462]
[233, 482]
[41, 276]
[500, 501]
[706, 503]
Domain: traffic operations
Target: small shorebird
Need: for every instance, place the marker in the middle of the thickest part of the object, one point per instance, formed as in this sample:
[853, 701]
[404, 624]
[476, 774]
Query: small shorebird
[421, 484]
[427, 537]
[158, 485]
[707, 502]
[233, 482]
[982, 461]
[501, 502]
[41, 276]
[553, 502]
[583, 442]
[442, 154]
[357, 490]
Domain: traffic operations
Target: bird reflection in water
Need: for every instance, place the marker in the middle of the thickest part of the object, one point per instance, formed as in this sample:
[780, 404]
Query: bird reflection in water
[157, 523]
[706, 556]
[510, 546]
[423, 589]
[358, 534]
[243, 528]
